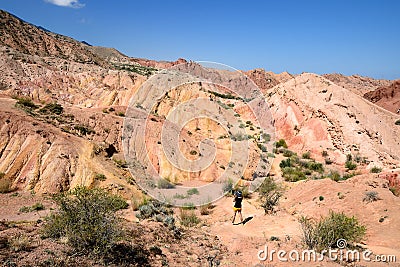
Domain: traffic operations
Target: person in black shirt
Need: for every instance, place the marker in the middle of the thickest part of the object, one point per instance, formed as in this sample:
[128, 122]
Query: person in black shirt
[237, 207]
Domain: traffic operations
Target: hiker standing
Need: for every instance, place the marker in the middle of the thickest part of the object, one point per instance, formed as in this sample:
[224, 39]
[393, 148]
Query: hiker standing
[237, 207]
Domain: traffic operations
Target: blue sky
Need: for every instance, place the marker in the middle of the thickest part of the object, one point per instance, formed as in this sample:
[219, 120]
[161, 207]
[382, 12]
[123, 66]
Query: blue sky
[344, 36]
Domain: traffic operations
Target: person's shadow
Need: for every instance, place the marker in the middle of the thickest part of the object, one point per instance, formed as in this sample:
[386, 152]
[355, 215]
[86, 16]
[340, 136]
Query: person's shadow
[244, 221]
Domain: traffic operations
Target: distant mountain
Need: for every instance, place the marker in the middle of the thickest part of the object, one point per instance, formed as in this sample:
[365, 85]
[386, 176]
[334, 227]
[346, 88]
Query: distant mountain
[356, 83]
[387, 97]
[29, 39]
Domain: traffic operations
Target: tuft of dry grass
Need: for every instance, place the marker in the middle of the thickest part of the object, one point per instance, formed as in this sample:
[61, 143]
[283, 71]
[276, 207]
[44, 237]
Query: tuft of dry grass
[20, 242]
[189, 218]
[205, 209]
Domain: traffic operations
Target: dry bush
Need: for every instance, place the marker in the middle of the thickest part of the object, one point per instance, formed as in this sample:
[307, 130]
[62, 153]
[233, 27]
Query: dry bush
[371, 196]
[328, 230]
[20, 242]
[189, 218]
[5, 186]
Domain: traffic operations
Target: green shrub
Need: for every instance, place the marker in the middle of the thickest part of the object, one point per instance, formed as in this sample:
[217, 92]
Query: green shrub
[285, 163]
[188, 206]
[327, 231]
[262, 148]
[348, 175]
[164, 184]
[121, 114]
[37, 206]
[287, 153]
[193, 191]
[335, 176]
[270, 193]
[316, 166]
[87, 219]
[193, 152]
[2, 174]
[189, 218]
[324, 153]
[397, 122]
[306, 155]
[100, 177]
[395, 190]
[321, 198]
[26, 102]
[350, 165]
[281, 143]
[52, 108]
[84, 130]
[292, 174]
[151, 209]
[375, 169]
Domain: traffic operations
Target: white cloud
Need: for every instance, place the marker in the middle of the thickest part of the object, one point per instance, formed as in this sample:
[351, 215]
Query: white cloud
[66, 3]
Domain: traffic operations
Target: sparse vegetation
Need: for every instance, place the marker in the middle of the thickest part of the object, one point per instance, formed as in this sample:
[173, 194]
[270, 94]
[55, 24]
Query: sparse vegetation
[52, 108]
[325, 233]
[281, 143]
[295, 169]
[34, 207]
[306, 155]
[87, 219]
[335, 176]
[192, 191]
[20, 242]
[139, 69]
[137, 203]
[188, 218]
[164, 184]
[225, 96]
[376, 169]
[121, 114]
[121, 163]
[270, 193]
[371, 196]
[350, 165]
[395, 190]
[25, 102]
[100, 177]
[84, 130]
